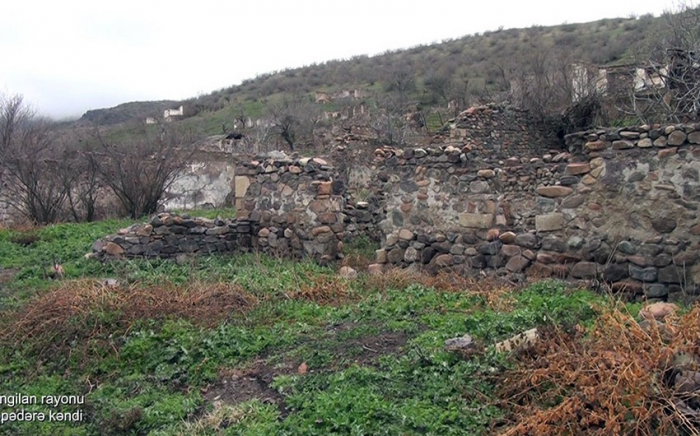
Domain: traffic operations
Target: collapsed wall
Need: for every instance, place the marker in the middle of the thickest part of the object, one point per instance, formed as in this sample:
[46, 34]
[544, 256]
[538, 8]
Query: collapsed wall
[622, 207]
[287, 207]
[493, 131]
[168, 235]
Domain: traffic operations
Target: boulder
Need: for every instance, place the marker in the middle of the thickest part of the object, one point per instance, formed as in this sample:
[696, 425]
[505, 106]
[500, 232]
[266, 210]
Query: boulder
[658, 311]
[395, 255]
[517, 264]
[462, 343]
[576, 169]
[527, 240]
[509, 237]
[549, 222]
[585, 270]
[648, 274]
[554, 191]
[375, 269]
[443, 260]
[347, 272]
[113, 249]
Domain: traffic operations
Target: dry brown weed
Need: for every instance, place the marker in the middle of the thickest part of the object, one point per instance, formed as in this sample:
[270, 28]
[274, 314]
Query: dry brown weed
[83, 310]
[615, 380]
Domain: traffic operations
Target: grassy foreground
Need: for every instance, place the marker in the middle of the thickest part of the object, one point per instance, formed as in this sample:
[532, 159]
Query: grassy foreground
[251, 345]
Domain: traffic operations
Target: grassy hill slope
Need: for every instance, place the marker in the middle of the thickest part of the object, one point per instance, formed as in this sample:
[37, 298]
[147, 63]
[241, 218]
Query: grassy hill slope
[471, 68]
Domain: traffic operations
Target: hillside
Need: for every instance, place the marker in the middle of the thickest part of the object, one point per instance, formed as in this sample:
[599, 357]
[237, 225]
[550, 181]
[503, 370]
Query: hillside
[127, 112]
[474, 66]
[483, 63]
[469, 68]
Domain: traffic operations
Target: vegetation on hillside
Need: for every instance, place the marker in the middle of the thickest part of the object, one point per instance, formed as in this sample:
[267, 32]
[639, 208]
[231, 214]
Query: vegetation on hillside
[411, 92]
[473, 67]
[127, 112]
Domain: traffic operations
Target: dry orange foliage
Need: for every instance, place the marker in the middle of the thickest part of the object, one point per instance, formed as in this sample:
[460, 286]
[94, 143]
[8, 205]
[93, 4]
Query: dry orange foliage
[395, 278]
[617, 380]
[496, 294]
[81, 310]
[325, 289]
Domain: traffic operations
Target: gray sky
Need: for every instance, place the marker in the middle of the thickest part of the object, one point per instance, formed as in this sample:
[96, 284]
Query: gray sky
[69, 56]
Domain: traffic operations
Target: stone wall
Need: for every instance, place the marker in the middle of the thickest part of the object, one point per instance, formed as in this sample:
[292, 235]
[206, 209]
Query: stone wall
[494, 131]
[621, 207]
[298, 203]
[289, 207]
[168, 235]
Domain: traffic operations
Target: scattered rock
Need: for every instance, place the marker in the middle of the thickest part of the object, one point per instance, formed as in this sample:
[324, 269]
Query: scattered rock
[525, 338]
[462, 343]
[375, 269]
[347, 272]
[658, 311]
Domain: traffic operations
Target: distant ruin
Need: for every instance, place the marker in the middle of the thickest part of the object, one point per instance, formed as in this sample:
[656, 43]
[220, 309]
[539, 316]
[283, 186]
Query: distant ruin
[326, 97]
[170, 114]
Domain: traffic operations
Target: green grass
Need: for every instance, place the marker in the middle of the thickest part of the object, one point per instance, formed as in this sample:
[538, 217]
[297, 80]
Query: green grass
[64, 243]
[376, 362]
[221, 212]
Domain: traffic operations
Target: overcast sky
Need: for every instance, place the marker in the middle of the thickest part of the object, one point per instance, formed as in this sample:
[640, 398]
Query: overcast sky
[69, 56]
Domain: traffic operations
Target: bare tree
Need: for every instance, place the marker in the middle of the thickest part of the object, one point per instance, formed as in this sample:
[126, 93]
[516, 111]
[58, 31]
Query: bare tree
[141, 168]
[14, 114]
[35, 173]
[401, 82]
[84, 189]
[293, 119]
[667, 74]
[387, 119]
[440, 86]
[558, 99]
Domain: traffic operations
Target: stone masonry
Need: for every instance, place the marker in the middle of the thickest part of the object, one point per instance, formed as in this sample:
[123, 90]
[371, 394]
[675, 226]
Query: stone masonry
[620, 205]
[289, 207]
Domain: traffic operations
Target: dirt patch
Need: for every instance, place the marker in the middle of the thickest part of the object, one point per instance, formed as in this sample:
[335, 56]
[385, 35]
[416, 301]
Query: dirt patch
[236, 386]
[367, 350]
[364, 349]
